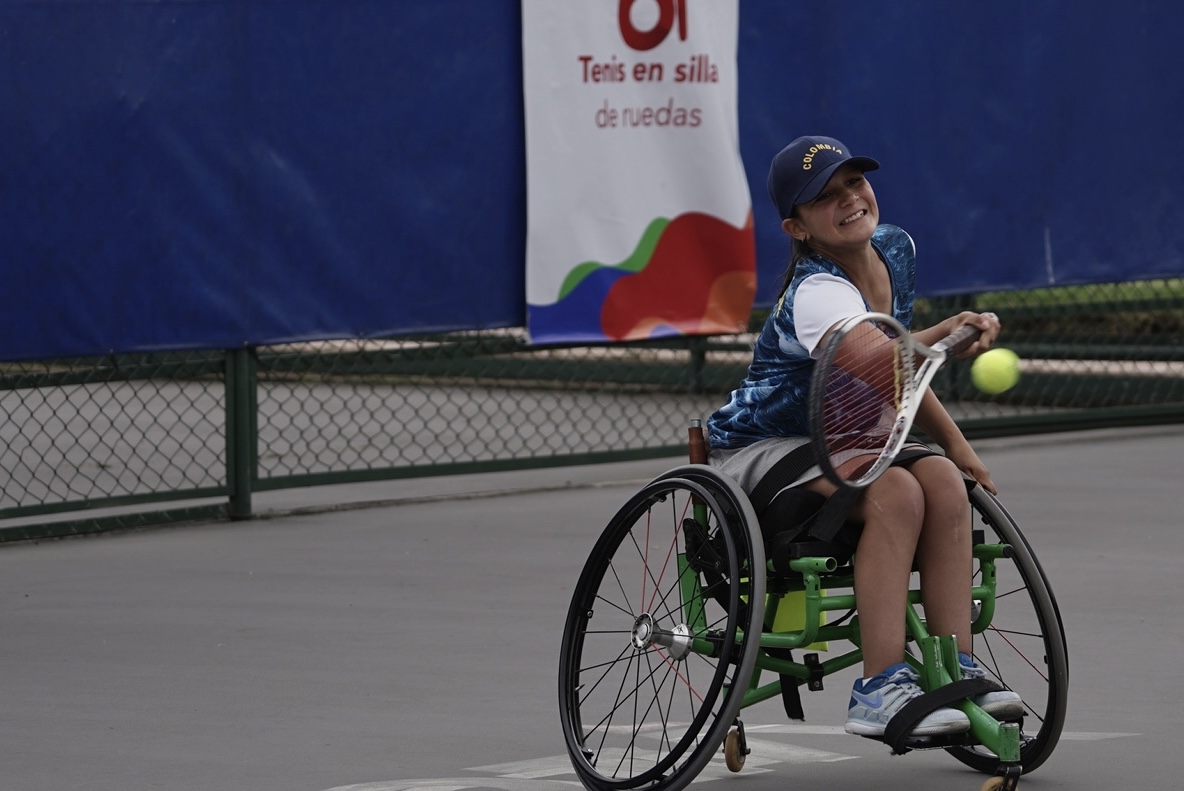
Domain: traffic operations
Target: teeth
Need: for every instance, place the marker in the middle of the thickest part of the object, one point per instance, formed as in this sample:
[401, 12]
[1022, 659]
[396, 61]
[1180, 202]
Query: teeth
[857, 215]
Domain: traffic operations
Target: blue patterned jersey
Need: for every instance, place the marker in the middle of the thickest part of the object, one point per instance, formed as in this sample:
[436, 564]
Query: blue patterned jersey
[772, 399]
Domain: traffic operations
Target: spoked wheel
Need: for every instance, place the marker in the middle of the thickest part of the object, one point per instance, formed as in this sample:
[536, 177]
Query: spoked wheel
[1023, 648]
[662, 634]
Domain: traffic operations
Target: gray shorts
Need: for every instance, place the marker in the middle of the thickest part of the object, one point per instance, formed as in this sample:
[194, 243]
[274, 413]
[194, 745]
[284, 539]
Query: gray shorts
[748, 465]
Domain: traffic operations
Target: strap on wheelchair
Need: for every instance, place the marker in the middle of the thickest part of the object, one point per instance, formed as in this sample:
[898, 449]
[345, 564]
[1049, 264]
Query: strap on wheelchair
[785, 471]
[793, 465]
[791, 699]
[833, 513]
[838, 506]
[902, 723]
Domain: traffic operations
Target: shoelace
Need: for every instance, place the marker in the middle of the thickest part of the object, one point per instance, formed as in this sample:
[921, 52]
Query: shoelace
[907, 679]
[972, 671]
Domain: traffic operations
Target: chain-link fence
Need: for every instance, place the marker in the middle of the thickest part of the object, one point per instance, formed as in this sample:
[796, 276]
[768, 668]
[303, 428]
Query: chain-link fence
[147, 431]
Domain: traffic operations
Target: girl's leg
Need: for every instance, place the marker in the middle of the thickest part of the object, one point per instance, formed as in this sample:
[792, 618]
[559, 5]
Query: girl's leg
[944, 548]
[892, 511]
[894, 515]
[944, 558]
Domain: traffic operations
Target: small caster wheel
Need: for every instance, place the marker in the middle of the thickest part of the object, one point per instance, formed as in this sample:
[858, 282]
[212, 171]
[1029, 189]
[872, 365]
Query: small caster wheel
[735, 750]
[1008, 780]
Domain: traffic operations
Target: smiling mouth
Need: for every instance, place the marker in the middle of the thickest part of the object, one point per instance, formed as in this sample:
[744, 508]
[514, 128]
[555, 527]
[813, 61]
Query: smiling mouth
[856, 216]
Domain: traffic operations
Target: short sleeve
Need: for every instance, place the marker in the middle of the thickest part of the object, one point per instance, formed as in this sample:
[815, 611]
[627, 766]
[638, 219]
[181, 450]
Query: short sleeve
[822, 301]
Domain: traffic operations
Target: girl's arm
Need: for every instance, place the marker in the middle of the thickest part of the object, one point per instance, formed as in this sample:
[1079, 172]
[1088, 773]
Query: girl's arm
[936, 422]
[933, 418]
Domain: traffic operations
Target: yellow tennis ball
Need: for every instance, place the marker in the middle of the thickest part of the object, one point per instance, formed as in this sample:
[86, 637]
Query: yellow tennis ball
[995, 371]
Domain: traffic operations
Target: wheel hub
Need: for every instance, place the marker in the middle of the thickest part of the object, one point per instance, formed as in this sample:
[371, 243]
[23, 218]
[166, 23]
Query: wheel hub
[676, 641]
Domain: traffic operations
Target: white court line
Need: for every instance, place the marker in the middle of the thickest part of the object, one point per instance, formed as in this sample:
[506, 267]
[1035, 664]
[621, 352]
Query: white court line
[462, 784]
[540, 767]
[764, 753]
[799, 728]
[546, 773]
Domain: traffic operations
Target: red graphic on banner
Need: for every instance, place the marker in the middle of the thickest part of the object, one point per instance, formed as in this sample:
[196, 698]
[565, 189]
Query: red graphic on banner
[701, 279]
[669, 11]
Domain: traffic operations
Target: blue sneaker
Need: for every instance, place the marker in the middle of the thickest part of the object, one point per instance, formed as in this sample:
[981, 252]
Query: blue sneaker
[873, 704]
[1002, 705]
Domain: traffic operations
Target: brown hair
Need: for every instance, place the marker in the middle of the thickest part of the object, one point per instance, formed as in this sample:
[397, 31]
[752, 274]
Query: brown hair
[799, 250]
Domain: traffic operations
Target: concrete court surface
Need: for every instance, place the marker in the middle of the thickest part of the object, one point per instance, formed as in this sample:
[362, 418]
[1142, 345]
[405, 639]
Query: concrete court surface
[413, 645]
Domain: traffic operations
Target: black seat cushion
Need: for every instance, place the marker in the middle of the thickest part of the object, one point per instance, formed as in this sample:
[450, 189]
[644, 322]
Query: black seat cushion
[785, 526]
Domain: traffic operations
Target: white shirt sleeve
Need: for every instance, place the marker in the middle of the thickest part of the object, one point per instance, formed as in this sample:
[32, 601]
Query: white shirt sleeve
[821, 302]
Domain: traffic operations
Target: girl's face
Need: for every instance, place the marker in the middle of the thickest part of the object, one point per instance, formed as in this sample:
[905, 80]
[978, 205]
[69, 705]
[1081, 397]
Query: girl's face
[844, 214]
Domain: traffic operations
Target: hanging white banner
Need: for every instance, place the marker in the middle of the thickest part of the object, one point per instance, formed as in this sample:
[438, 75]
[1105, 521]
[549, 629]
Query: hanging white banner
[639, 221]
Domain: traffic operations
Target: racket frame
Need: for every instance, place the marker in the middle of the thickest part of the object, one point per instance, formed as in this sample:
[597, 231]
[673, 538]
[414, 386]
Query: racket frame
[915, 381]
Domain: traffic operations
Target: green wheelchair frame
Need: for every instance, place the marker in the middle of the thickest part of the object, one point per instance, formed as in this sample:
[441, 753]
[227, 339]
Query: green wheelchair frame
[669, 633]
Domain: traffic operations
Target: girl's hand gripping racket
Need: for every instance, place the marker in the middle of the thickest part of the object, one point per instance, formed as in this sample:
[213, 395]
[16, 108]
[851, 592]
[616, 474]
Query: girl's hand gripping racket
[865, 393]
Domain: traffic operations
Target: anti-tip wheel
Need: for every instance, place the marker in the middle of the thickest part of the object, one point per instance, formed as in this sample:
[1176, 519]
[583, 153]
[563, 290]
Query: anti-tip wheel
[735, 751]
[994, 784]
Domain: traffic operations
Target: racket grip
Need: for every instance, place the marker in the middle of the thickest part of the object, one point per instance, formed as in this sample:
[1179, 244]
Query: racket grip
[961, 338]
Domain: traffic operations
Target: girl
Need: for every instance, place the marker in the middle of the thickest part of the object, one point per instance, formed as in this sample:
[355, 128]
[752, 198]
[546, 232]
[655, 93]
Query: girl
[845, 263]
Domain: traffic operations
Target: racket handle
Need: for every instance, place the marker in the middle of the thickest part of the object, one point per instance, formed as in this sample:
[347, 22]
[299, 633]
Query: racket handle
[961, 338]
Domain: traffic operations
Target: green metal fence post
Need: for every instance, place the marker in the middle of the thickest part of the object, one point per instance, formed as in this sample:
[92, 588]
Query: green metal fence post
[241, 430]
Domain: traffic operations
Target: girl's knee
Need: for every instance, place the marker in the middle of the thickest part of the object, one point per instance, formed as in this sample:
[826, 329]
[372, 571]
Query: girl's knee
[896, 494]
[937, 470]
[939, 478]
[900, 482]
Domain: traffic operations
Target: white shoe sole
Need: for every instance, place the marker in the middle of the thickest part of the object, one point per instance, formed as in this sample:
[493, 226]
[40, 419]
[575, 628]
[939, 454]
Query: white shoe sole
[940, 729]
[1005, 709]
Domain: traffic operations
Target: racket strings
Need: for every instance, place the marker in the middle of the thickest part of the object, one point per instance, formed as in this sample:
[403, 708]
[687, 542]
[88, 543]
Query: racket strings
[865, 391]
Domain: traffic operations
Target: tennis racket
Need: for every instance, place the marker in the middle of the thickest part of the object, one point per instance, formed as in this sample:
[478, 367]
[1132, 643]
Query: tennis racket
[865, 393]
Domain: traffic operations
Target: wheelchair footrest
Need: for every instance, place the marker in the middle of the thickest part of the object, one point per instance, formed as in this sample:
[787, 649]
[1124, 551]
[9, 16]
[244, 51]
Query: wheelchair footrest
[901, 725]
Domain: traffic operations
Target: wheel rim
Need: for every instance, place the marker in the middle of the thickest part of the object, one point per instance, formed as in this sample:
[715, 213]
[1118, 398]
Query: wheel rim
[642, 700]
[1023, 648]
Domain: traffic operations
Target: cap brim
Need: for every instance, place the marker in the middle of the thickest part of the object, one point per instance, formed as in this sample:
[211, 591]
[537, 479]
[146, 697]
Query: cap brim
[819, 182]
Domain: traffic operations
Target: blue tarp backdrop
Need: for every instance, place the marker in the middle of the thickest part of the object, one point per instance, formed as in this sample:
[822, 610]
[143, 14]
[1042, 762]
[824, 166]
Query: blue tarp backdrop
[212, 173]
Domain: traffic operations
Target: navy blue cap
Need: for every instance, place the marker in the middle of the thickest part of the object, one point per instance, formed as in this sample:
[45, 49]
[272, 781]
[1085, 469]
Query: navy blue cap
[801, 170]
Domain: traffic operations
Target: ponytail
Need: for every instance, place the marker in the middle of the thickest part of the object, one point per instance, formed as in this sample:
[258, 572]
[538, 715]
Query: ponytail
[799, 251]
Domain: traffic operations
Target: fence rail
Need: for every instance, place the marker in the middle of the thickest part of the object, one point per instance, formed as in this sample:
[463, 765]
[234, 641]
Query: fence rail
[151, 433]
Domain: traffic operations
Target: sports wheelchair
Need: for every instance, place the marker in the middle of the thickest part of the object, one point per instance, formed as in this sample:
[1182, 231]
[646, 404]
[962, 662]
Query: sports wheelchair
[678, 622]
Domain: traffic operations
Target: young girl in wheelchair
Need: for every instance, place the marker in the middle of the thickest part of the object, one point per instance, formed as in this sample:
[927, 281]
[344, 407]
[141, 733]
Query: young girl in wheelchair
[916, 515]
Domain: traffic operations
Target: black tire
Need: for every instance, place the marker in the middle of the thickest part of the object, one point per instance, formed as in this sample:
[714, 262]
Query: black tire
[635, 712]
[1024, 647]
